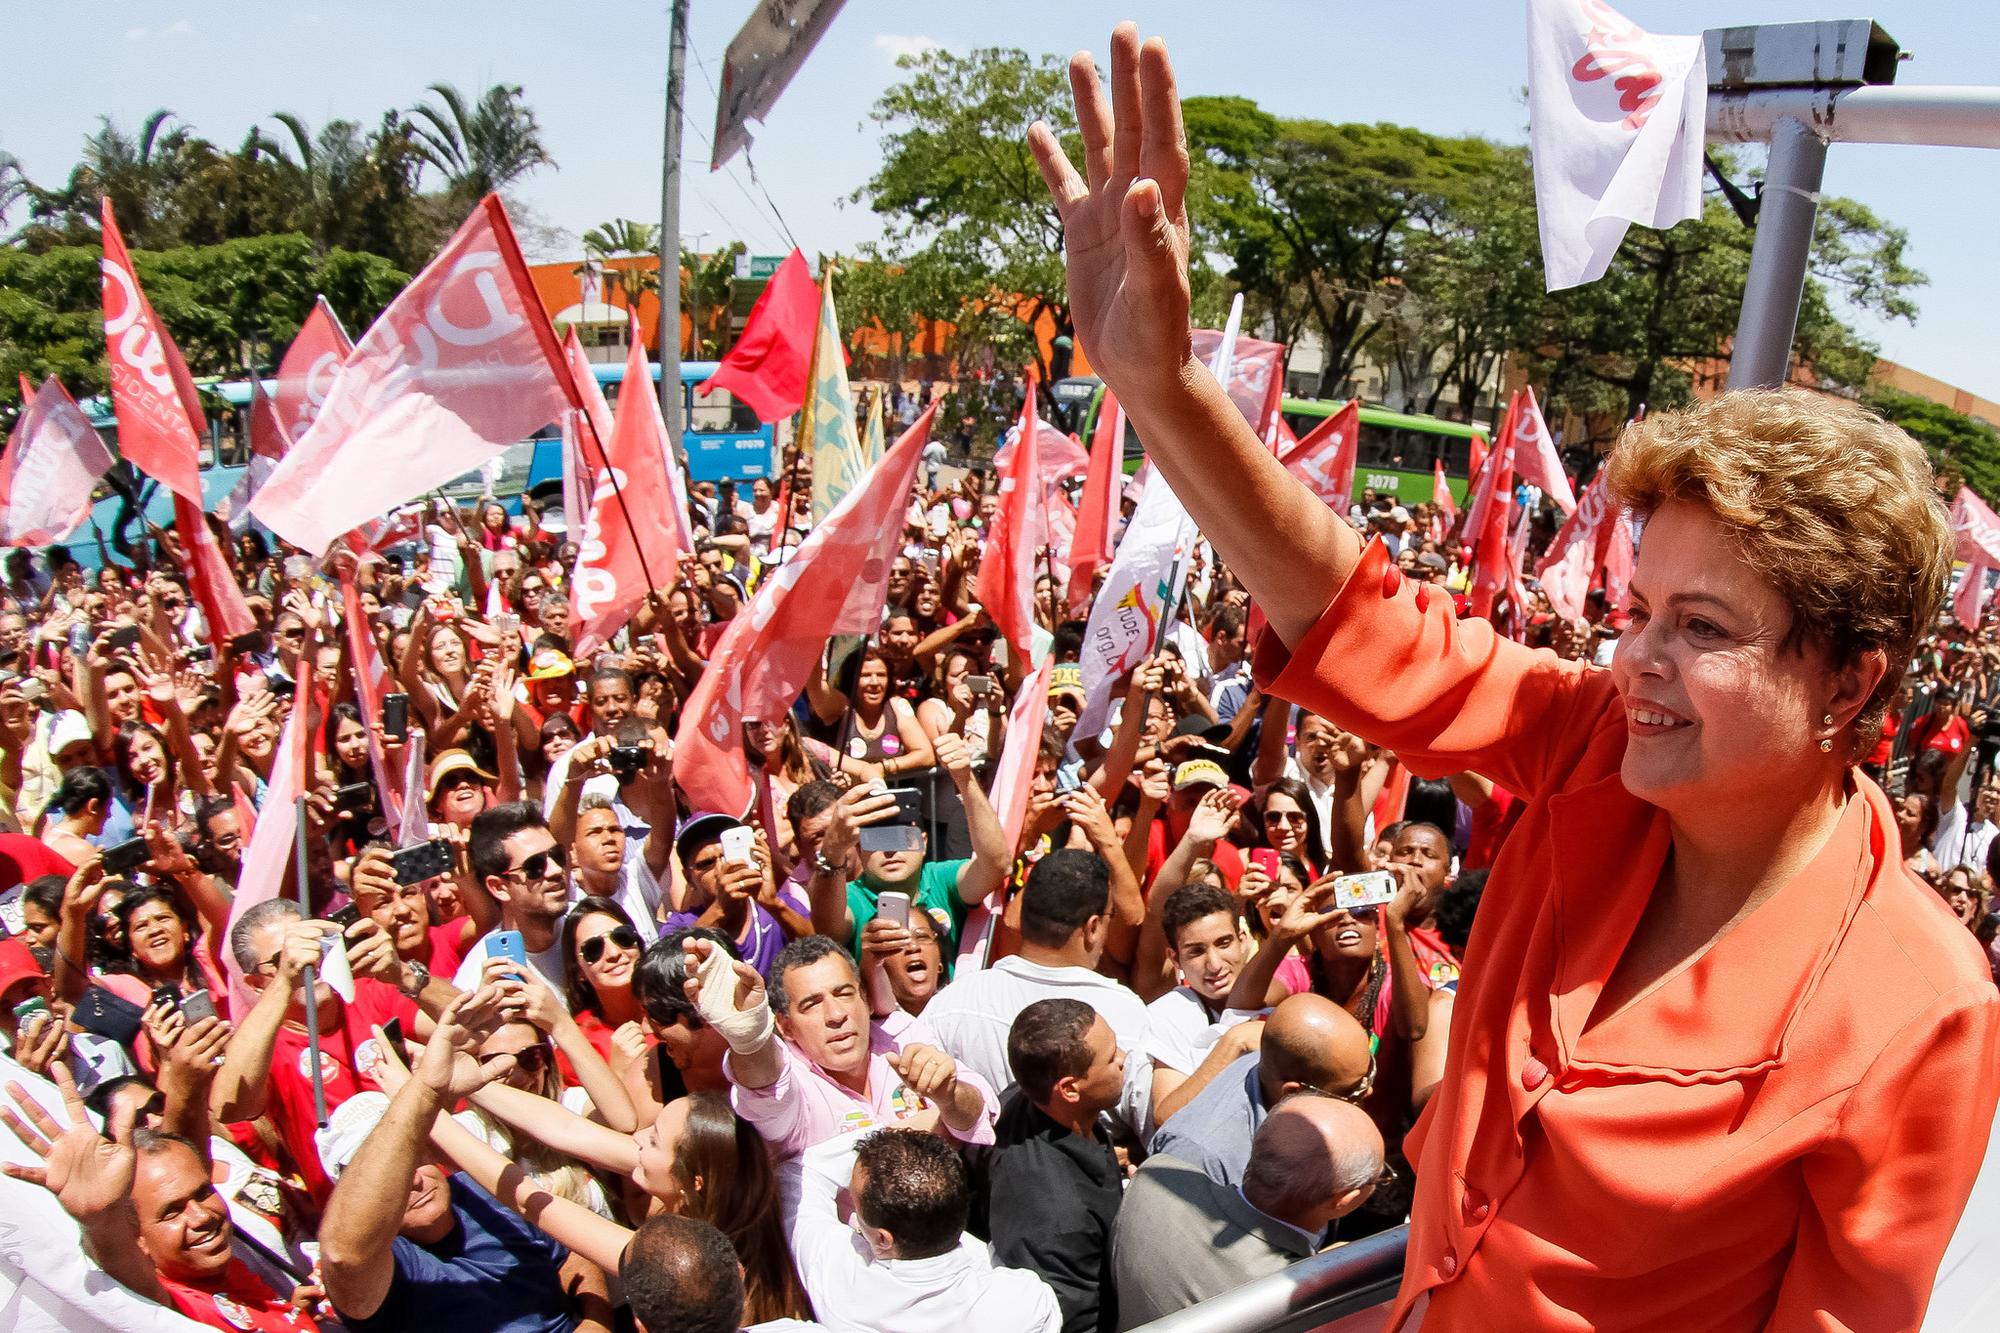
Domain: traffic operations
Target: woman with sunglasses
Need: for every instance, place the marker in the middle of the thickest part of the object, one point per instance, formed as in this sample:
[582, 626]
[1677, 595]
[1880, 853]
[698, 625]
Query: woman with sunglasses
[1290, 822]
[600, 950]
[534, 1072]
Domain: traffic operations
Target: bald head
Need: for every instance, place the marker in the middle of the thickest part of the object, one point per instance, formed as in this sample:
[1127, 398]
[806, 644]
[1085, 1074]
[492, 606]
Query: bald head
[1314, 1159]
[1310, 1042]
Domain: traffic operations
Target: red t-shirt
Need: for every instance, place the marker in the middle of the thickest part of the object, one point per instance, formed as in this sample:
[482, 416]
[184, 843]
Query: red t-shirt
[1228, 857]
[237, 1301]
[291, 1099]
[446, 951]
[1952, 737]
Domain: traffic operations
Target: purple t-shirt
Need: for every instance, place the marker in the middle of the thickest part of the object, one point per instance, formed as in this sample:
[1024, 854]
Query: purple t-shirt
[758, 946]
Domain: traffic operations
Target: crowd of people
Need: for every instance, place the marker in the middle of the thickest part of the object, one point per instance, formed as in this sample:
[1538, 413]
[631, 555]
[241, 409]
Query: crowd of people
[575, 1054]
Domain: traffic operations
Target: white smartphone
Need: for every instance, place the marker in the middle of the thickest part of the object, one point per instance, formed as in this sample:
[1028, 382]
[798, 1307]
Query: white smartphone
[739, 844]
[893, 906]
[1371, 889]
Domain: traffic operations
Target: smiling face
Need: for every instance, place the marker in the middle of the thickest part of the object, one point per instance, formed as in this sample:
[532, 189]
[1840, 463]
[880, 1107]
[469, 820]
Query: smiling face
[659, 1147]
[1349, 935]
[121, 695]
[183, 1223]
[1210, 953]
[871, 682]
[158, 938]
[404, 913]
[900, 638]
[522, 895]
[610, 704]
[827, 1015]
[149, 759]
[350, 744]
[1284, 824]
[1720, 711]
[447, 652]
[613, 969]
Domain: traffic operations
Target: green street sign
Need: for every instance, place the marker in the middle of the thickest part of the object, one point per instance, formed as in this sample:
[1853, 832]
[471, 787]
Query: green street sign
[753, 267]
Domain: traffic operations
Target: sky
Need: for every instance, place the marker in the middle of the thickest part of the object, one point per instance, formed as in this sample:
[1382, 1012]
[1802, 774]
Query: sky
[594, 72]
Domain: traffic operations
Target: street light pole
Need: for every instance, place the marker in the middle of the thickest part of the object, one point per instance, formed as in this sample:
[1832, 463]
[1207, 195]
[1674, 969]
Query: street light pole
[670, 229]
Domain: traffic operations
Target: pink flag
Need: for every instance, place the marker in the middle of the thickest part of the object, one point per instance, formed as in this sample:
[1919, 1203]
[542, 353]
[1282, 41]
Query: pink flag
[1061, 457]
[1970, 598]
[1324, 460]
[371, 682]
[52, 462]
[159, 416]
[620, 543]
[1282, 440]
[271, 843]
[1256, 376]
[1978, 528]
[1441, 501]
[1569, 570]
[460, 366]
[589, 394]
[832, 584]
[1014, 777]
[1012, 558]
[307, 373]
[1535, 459]
[1097, 513]
[269, 442]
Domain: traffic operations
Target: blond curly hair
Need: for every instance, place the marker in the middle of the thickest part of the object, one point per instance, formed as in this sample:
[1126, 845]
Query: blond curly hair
[1835, 506]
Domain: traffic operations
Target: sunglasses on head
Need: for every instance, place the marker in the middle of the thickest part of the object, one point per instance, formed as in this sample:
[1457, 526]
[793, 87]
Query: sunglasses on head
[542, 865]
[592, 949]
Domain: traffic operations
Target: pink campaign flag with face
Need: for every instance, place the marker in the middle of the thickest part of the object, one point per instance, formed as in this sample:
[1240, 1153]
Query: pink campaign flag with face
[1012, 558]
[460, 366]
[52, 462]
[1616, 118]
[833, 583]
[621, 542]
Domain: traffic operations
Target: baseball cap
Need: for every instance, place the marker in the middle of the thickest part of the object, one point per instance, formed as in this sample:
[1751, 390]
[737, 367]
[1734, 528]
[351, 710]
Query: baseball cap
[70, 728]
[1200, 773]
[1066, 678]
[17, 964]
[1398, 514]
[1432, 560]
[340, 1139]
[453, 761]
[548, 664]
[701, 829]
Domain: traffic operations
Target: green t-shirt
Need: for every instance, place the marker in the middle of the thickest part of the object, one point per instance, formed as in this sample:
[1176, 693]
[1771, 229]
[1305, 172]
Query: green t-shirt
[937, 892]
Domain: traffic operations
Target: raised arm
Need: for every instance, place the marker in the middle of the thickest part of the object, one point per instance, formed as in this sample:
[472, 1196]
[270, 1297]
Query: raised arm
[1126, 232]
[991, 856]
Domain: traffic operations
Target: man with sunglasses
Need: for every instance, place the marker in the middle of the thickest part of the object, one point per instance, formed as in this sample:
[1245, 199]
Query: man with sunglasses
[517, 862]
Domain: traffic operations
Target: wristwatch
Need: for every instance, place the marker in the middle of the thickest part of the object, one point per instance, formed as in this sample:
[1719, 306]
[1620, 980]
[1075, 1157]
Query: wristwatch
[415, 977]
[821, 864]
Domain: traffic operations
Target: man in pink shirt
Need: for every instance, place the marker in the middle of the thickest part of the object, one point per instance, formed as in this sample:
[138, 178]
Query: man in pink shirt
[820, 1068]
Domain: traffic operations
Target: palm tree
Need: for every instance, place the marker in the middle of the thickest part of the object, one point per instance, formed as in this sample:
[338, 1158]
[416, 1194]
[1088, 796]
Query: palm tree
[322, 169]
[14, 185]
[479, 146]
[620, 237]
[138, 174]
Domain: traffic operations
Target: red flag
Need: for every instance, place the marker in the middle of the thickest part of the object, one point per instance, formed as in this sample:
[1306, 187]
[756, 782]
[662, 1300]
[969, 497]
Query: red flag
[307, 373]
[1488, 526]
[832, 584]
[767, 366]
[1977, 528]
[1256, 376]
[460, 366]
[159, 416]
[1282, 440]
[52, 462]
[610, 579]
[1008, 565]
[1476, 453]
[1097, 513]
[371, 682]
[1535, 457]
[209, 576]
[1324, 460]
[269, 442]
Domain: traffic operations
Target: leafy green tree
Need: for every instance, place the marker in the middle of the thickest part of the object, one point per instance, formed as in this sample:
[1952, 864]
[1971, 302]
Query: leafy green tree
[968, 218]
[1961, 448]
[481, 146]
[622, 237]
[708, 296]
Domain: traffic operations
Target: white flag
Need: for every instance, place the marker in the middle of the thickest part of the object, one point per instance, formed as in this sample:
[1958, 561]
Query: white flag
[51, 463]
[1616, 119]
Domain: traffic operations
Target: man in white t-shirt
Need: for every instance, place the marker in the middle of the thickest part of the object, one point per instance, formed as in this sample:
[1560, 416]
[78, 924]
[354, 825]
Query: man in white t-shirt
[1065, 916]
[1208, 943]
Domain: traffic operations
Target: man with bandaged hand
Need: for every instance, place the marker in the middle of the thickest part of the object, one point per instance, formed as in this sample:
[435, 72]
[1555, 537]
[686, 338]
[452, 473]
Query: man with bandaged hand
[806, 1062]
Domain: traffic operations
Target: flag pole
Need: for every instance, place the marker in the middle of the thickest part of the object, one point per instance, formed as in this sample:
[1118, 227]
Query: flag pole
[311, 972]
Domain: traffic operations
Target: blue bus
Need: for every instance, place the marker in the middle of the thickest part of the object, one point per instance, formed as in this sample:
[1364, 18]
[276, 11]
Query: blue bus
[723, 439]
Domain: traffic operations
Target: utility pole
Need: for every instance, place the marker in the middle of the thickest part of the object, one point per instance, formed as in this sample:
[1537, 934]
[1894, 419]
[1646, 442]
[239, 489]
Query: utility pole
[670, 230]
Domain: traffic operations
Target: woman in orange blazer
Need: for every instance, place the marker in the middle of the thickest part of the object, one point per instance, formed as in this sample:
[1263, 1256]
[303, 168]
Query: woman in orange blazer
[1717, 1060]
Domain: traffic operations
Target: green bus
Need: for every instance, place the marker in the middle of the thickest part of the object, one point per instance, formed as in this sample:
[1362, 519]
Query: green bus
[1397, 451]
